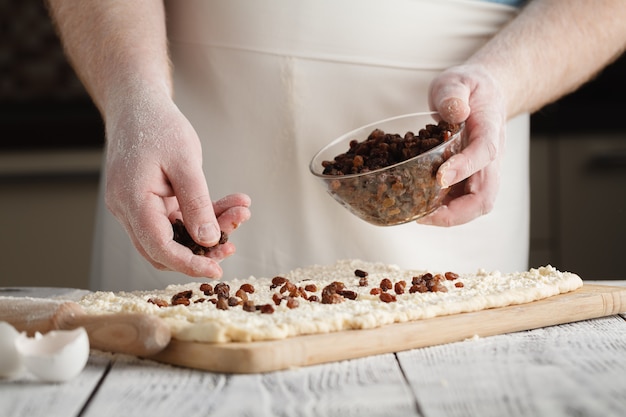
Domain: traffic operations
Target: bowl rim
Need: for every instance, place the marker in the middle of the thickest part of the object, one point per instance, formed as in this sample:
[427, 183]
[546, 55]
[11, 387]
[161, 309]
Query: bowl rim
[373, 124]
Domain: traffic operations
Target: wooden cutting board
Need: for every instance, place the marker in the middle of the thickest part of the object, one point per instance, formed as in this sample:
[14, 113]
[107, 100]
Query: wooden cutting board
[590, 301]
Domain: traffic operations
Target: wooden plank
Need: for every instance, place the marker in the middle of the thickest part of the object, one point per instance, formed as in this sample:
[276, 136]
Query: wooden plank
[590, 301]
[576, 369]
[27, 396]
[616, 283]
[372, 386]
[131, 333]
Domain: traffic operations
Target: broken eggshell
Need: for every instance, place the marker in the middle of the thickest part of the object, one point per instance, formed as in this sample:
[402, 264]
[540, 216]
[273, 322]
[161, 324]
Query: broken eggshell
[10, 359]
[56, 356]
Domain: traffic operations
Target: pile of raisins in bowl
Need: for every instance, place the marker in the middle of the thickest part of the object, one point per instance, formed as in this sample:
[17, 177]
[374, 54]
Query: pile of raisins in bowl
[382, 149]
[371, 180]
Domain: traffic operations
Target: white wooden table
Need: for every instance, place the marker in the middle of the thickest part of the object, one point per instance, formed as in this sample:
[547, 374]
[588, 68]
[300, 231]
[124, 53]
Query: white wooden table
[576, 369]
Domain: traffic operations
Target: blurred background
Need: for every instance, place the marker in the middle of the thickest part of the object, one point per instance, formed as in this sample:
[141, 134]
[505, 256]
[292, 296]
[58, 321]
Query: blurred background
[51, 142]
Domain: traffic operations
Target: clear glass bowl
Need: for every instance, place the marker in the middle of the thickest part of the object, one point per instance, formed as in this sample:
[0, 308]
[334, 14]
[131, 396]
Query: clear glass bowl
[398, 193]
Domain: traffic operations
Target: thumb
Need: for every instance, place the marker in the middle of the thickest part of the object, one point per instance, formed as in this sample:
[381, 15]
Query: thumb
[450, 98]
[196, 206]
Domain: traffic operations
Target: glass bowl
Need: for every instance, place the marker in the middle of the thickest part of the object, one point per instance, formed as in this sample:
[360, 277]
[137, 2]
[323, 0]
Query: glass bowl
[395, 194]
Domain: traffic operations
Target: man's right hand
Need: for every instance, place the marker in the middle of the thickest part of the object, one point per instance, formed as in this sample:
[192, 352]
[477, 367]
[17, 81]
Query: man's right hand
[154, 175]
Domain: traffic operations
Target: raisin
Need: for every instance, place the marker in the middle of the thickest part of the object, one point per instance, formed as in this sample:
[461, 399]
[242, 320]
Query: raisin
[182, 298]
[311, 287]
[278, 280]
[266, 309]
[399, 287]
[333, 299]
[422, 278]
[292, 302]
[181, 301]
[451, 276]
[421, 288]
[330, 293]
[387, 297]
[277, 298]
[439, 288]
[360, 273]
[385, 284]
[222, 290]
[222, 304]
[249, 288]
[182, 236]
[242, 294]
[249, 306]
[338, 285]
[302, 293]
[290, 289]
[349, 294]
[158, 302]
[207, 289]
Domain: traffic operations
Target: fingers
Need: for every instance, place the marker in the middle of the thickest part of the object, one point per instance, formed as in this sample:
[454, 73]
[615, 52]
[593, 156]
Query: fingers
[148, 216]
[200, 214]
[469, 94]
[484, 136]
[231, 200]
[154, 176]
[193, 197]
[152, 234]
[450, 98]
[471, 199]
[231, 218]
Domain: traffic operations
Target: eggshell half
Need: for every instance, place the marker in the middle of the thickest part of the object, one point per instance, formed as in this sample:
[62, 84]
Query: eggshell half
[10, 359]
[56, 356]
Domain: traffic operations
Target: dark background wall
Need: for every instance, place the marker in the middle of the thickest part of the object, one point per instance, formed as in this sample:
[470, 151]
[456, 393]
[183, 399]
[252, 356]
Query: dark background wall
[42, 103]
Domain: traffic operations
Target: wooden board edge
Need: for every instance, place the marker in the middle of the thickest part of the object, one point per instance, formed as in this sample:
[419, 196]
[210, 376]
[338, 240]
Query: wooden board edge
[266, 356]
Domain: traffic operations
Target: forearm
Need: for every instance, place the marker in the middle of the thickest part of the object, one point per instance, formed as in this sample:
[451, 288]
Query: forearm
[117, 47]
[552, 48]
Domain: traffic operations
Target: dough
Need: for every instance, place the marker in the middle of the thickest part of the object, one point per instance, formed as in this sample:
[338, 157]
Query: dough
[360, 304]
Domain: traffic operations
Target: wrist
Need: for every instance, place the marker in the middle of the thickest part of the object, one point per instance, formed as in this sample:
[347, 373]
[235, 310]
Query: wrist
[135, 94]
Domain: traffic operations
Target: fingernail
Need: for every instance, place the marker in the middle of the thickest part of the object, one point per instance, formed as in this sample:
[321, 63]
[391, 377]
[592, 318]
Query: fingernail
[208, 233]
[447, 177]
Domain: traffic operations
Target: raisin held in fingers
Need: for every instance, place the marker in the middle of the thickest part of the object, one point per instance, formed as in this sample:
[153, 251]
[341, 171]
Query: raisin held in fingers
[182, 236]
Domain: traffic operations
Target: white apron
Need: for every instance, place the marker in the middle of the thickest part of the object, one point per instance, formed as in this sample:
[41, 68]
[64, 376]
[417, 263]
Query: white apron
[267, 83]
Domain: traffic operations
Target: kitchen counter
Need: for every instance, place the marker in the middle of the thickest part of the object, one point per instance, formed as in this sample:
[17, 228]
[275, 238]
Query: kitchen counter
[576, 369]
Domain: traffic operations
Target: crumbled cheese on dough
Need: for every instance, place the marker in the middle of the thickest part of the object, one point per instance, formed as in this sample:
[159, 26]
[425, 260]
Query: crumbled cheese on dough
[203, 322]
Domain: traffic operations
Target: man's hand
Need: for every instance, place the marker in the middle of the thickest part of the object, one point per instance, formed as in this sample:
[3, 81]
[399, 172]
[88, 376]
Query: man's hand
[468, 93]
[154, 176]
